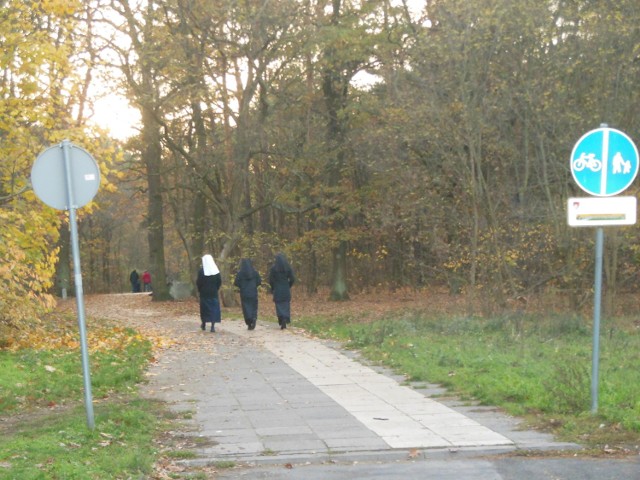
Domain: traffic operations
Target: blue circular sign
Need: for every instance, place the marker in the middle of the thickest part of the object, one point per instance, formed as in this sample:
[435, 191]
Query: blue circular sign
[604, 162]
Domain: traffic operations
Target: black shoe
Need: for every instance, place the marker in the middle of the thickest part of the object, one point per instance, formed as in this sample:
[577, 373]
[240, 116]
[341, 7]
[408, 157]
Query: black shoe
[213, 329]
[202, 326]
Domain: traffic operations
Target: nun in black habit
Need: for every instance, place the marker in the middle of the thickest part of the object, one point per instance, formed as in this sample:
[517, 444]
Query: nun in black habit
[208, 283]
[281, 279]
[248, 280]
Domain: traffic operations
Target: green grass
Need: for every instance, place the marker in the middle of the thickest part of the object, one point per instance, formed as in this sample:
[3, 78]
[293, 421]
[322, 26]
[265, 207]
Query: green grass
[181, 454]
[61, 446]
[45, 435]
[40, 378]
[528, 365]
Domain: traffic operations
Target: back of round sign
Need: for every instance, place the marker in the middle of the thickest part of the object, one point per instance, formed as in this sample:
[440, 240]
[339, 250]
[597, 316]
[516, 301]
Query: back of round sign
[48, 177]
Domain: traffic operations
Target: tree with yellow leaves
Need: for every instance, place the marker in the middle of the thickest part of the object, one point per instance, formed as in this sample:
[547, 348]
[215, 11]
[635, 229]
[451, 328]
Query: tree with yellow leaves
[46, 69]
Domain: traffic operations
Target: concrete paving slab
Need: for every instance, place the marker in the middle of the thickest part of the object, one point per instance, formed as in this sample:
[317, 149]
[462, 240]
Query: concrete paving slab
[263, 396]
[381, 404]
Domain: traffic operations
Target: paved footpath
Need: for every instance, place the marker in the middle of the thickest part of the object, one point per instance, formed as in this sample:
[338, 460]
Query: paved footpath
[280, 405]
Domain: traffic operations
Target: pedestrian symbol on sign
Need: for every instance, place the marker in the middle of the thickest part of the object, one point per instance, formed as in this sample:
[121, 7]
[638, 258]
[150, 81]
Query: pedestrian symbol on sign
[620, 165]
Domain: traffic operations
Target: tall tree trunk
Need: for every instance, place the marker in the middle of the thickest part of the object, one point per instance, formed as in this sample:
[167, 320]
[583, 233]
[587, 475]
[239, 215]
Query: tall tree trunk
[151, 158]
[335, 90]
[339, 273]
[196, 247]
[63, 269]
[141, 31]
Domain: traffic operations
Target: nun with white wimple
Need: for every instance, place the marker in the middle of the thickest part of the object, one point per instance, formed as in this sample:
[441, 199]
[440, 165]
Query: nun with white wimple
[208, 283]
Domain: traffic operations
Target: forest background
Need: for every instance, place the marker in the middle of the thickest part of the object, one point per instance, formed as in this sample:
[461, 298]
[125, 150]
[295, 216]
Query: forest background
[380, 144]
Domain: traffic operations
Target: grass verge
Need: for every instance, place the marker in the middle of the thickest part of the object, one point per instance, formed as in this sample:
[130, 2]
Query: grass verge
[533, 367]
[43, 428]
[58, 444]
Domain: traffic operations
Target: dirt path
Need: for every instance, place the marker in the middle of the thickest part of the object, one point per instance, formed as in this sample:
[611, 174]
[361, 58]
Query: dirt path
[176, 324]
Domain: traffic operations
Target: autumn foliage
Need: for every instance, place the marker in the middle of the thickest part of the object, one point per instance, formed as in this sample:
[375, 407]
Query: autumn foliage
[27, 270]
[61, 333]
[448, 167]
[43, 94]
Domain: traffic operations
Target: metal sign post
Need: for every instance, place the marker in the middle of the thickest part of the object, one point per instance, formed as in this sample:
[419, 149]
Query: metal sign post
[597, 303]
[67, 177]
[88, 402]
[604, 162]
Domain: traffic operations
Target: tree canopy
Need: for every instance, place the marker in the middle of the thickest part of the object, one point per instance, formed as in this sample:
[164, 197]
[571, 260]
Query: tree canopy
[380, 144]
[46, 66]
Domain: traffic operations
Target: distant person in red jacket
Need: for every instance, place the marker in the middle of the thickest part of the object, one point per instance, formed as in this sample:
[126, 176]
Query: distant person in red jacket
[146, 281]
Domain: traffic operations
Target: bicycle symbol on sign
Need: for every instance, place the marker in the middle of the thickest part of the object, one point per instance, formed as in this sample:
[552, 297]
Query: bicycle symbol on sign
[587, 160]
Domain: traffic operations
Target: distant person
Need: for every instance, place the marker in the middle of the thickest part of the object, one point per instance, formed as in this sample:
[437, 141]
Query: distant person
[208, 283]
[281, 279]
[146, 281]
[248, 280]
[134, 278]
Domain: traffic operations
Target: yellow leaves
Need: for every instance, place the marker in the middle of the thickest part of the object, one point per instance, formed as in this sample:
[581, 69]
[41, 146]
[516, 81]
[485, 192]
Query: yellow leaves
[38, 64]
[382, 252]
[60, 8]
[28, 264]
[511, 258]
[28, 87]
[109, 340]
[455, 265]
[102, 339]
[38, 338]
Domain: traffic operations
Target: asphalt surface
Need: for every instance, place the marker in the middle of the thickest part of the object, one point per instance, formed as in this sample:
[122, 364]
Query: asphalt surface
[280, 405]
